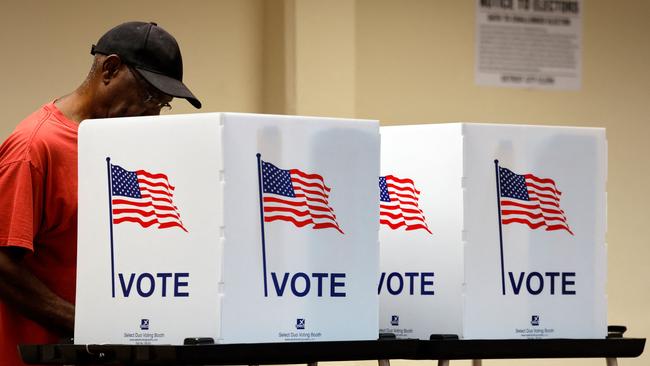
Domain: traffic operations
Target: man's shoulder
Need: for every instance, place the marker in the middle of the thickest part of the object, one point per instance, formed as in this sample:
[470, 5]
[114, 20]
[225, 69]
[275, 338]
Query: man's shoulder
[32, 135]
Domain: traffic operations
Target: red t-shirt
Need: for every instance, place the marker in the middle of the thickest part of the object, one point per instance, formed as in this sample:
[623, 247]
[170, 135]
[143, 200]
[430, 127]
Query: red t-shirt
[38, 211]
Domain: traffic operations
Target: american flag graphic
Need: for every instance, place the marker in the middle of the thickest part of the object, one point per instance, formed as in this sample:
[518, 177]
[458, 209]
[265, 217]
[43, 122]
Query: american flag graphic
[143, 198]
[398, 204]
[295, 196]
[530, 200]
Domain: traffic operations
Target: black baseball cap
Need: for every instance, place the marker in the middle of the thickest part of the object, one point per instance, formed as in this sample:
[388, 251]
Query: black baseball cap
[151, 51]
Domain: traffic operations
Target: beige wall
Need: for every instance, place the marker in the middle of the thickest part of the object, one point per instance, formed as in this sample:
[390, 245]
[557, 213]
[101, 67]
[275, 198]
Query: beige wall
[46, 45]
[400, 61]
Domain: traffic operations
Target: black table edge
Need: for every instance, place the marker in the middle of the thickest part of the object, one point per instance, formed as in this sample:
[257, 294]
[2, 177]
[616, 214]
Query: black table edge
[306, 352]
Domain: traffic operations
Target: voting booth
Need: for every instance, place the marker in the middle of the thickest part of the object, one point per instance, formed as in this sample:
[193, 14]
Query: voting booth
[236, 227]
[493, 231]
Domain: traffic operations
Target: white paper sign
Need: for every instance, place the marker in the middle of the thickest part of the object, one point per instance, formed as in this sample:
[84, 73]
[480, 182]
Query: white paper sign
[171, 243]
[529, 43]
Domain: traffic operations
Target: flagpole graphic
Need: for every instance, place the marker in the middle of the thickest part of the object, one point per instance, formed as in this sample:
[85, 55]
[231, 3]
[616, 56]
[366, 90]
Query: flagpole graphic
[142, 198]
[526, 199]
[503, 277]
[110, 216]
[259, 180]
[292, 196]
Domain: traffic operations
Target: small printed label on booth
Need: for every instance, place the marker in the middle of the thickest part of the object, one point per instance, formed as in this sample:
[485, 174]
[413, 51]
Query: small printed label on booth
[142, 337]
[534, 333]
[301, 333]
[399, 332]
[300, 336]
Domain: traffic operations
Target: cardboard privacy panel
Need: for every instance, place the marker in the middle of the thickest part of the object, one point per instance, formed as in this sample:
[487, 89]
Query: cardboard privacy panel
[493, 231]
[239, 227]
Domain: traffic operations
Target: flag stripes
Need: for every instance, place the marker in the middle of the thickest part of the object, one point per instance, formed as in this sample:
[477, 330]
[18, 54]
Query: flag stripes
[399, 204]
[143, 198]
[297, 197]
[532, 201]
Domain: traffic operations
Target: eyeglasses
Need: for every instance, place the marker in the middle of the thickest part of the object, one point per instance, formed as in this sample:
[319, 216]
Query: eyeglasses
[153, 97]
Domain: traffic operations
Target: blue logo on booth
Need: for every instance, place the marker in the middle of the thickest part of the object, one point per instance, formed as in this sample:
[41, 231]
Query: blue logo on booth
[144, 324]
[534, 320]
[394, 320]
[300, 323]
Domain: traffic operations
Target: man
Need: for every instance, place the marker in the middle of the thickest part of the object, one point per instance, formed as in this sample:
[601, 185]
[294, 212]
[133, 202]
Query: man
[137, 70]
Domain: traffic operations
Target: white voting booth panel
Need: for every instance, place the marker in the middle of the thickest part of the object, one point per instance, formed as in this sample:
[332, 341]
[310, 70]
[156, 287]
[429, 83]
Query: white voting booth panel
[421, 212]
[170, 239]
[514, 245]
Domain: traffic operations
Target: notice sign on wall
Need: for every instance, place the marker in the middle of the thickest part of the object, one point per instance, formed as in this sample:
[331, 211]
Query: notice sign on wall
[529, 43]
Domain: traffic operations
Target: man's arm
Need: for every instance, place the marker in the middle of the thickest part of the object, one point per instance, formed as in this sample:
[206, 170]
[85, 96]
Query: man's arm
[21, 290]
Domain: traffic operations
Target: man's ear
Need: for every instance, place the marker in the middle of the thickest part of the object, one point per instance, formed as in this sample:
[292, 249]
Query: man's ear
[111, 67]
